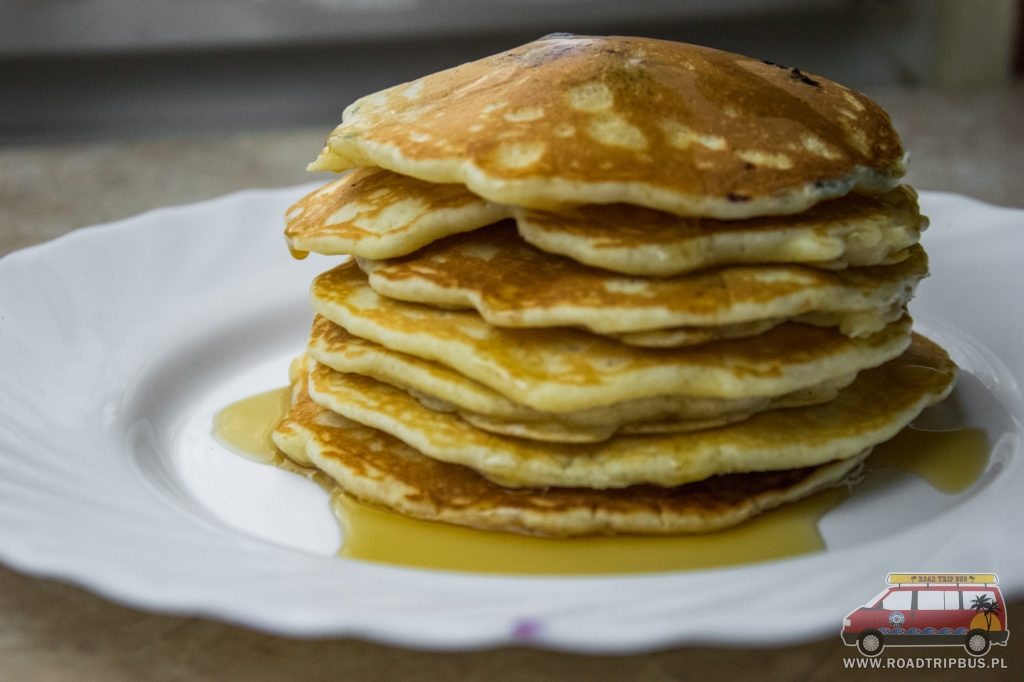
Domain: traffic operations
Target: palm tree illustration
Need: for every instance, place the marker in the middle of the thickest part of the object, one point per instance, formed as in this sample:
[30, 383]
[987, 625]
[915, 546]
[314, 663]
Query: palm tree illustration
[985, 604]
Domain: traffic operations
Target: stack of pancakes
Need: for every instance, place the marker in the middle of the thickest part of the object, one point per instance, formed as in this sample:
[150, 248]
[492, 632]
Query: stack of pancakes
[608, 285]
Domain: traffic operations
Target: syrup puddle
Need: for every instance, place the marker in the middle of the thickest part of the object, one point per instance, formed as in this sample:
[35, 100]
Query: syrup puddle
[949, 460]
[375, 535]
[245, 426]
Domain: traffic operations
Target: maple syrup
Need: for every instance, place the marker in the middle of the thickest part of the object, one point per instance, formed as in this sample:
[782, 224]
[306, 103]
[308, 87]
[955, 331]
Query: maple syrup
[245, 426]
[373, 534]
[948, 460]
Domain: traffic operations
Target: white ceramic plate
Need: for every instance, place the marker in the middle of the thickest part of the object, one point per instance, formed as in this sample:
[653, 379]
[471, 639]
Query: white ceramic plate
[119, 343]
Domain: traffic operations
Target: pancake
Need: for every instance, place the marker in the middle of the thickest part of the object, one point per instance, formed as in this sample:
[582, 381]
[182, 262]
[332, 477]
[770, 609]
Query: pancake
[443, 389]
[381, 470]
[378, 214]
[568, 120]
[856, 230]
[872, 409]
[375, 213]
[562, 370]
[512, 284]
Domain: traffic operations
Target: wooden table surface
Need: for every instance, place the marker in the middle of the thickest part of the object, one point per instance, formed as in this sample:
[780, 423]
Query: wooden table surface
[966, 142]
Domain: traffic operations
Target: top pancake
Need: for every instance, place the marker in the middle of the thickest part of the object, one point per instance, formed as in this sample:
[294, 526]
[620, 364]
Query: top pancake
[569, 120]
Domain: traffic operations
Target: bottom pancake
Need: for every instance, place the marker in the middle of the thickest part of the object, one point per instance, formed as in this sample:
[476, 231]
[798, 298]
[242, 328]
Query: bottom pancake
[381, 470]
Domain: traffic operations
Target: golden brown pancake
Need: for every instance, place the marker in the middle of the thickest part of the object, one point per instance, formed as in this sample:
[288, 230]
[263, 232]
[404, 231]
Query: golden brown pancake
[375, 213]
[596, 120]
[378, 214]
[512, 284]
[872, 409]
[856, 230]
[443, 389]
[379, 469]
[563, 370]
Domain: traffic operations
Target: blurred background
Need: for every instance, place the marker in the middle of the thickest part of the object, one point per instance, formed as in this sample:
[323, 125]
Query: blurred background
[100, 69]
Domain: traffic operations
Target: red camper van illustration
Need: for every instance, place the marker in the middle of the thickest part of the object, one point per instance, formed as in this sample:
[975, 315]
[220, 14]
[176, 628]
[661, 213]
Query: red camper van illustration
[930, 610]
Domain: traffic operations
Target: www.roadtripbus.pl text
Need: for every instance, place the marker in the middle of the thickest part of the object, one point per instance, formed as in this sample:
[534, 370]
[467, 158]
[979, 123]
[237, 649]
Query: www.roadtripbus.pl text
[925, 663]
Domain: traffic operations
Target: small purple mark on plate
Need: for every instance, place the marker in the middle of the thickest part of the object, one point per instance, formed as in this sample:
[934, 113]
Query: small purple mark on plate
[526, 628]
